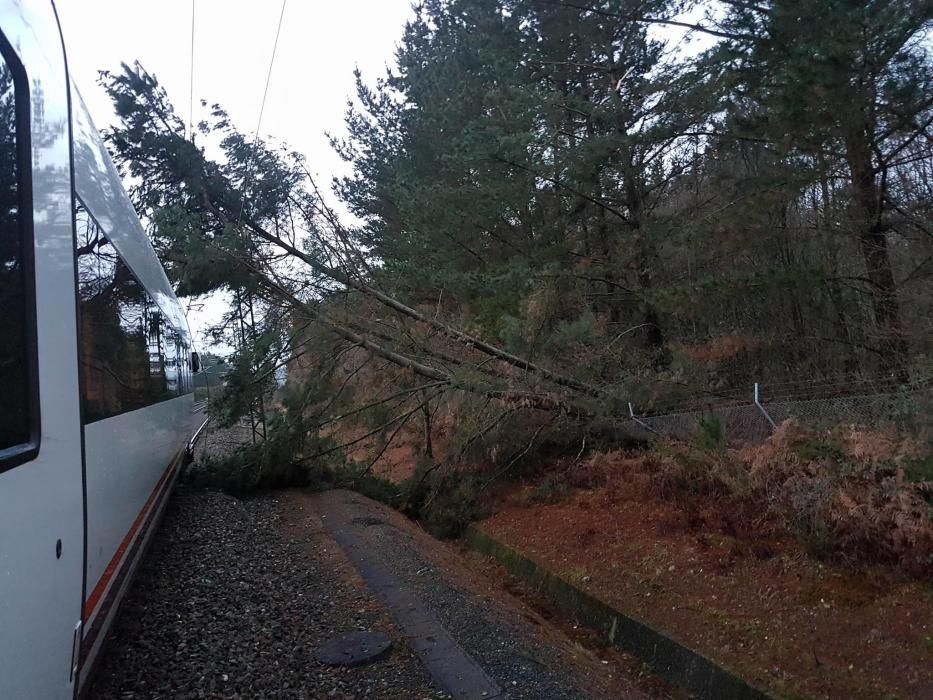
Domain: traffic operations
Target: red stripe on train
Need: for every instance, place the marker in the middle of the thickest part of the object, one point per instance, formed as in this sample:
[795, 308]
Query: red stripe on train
[91, 603]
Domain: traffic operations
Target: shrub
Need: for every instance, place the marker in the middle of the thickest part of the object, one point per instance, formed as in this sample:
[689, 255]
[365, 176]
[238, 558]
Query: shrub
[444, 499]
[251, 469]
[551, 489]
[859, 508]
[816, 448]
[838, 499]
[372, 486]
[285, 459]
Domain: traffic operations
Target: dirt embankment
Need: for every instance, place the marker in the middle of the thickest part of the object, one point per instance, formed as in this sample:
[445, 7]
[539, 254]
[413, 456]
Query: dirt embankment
[727, 570]
[804, 562]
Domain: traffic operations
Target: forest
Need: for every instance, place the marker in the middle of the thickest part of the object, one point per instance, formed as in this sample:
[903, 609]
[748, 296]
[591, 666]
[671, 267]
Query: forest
[555, 211]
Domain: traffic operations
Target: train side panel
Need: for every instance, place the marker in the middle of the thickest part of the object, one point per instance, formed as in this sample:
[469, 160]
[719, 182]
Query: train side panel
[95, 373]
[136, 381]
[128, 483]
[138, 415]
[41, 509]
[123, 471]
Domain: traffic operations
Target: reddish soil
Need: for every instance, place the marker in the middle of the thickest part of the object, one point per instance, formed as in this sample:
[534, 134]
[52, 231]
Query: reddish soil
[398, 460]
[763, 608]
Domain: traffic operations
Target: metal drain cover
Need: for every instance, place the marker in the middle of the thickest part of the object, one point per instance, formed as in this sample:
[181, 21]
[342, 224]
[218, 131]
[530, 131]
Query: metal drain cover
[354, 649]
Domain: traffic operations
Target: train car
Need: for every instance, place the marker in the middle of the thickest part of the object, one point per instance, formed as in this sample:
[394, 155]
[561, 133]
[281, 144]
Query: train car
[96, 362]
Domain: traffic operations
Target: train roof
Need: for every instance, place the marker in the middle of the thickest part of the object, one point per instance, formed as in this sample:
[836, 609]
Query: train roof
[100, 188]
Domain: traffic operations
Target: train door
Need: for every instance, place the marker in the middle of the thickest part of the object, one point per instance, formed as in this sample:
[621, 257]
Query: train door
[41, 472]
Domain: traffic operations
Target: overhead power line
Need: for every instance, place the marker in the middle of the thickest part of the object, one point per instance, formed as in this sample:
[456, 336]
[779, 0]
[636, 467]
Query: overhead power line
[265, 92]
[262, 105]
[191, 81]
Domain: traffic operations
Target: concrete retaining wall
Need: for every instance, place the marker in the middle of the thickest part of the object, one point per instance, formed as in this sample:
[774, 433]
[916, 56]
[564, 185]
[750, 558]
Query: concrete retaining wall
[679, 664]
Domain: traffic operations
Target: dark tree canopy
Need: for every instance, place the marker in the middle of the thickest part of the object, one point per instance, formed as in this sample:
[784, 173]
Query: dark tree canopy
[562, 206]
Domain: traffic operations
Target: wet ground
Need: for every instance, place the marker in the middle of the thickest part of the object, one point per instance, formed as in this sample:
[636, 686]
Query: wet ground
[235, 597]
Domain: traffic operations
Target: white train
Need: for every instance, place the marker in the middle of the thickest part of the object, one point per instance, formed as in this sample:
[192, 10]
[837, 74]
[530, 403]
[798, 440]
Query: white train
[96, 403]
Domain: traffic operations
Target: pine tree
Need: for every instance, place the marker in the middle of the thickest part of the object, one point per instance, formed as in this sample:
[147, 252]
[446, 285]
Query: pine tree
[846, 80]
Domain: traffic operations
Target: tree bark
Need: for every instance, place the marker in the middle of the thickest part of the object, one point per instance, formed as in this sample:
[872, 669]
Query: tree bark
[873, 242]
[645, 256]
[426, 414]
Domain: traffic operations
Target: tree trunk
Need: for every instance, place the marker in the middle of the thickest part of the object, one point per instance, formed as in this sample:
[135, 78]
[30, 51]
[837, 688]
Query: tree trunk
[834, 289]
[873, 242]
[426, 414]
[645, 256]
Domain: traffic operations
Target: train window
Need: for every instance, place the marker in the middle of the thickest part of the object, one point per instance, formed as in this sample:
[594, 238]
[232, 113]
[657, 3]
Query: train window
[128, 352]
[170, 360]
[18, 399]
[183, 381]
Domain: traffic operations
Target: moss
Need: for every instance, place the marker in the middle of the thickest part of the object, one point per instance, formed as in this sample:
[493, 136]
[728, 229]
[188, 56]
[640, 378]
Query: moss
[919, 469]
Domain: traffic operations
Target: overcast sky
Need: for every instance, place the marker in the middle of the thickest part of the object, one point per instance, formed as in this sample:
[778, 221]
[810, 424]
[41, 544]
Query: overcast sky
[320, 44]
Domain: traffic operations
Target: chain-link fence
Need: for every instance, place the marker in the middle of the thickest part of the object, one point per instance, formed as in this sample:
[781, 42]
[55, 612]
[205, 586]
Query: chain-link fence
[902, 407]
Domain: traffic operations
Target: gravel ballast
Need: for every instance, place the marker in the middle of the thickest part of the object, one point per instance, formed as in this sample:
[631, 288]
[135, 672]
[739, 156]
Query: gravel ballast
[227, 605]
[235, 598]
[499, 635]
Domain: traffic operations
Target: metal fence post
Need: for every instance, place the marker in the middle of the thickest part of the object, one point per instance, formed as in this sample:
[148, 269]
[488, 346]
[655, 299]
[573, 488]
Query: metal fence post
[631, 413]
[762, 409]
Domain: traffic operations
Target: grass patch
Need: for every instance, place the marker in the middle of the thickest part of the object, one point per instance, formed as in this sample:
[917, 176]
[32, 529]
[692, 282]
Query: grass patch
[711, 435]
